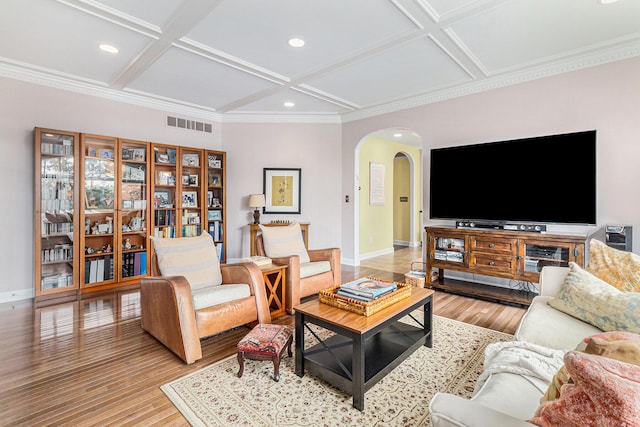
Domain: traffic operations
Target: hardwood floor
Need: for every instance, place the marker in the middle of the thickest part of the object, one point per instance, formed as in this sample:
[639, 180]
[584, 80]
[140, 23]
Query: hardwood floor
[88, 362]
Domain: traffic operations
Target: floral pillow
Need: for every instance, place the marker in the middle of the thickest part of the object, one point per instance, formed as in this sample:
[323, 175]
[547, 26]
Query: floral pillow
[586, 297]
[606, 392]
[618, 345]
[618, 268]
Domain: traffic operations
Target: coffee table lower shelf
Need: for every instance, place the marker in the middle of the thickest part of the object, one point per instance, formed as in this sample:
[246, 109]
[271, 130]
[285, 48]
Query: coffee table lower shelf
[382, 353]
[364, 348]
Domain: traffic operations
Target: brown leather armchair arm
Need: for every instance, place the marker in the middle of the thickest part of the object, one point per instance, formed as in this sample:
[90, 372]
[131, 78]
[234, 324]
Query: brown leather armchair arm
[167, 313]
[249, 273]
[333, 256]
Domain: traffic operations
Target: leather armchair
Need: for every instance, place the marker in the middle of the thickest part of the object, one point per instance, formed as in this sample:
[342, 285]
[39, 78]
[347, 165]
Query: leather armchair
[167, 310]
[296, 287]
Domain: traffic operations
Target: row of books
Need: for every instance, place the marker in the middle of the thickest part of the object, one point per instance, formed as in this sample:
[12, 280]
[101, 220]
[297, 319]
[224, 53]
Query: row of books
[165, 232]
[216, 230]
[366, 289]
[220, 251]
[61, 280]
[191, 230]
[134, 264]
[98, 269]
[163, 217]
[62, 252]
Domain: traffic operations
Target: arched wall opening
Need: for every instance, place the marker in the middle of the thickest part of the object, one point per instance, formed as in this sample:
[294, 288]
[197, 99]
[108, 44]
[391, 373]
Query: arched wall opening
[374, 195]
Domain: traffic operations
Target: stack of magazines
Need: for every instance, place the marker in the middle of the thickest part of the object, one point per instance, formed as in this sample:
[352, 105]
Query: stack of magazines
[366, 289]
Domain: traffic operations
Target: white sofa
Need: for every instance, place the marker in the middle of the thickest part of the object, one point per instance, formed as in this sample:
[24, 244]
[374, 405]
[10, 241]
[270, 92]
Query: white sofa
[508, 399]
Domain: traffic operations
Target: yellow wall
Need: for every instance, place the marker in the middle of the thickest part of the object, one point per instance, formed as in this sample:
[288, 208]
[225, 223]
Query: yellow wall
[401, 210]
[376, 222]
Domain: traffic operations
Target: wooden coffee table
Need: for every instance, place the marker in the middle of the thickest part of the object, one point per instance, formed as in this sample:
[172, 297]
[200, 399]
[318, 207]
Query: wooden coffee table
[364, 348]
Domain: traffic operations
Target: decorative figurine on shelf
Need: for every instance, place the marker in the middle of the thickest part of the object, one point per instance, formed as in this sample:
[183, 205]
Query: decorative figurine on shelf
[127, 243]
[87, 225]
[108, 248]
[88, 250]
[94, 229]
[109, 224]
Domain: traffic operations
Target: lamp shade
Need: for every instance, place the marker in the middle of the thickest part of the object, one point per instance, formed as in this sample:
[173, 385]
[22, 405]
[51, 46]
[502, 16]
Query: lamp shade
[256, 201]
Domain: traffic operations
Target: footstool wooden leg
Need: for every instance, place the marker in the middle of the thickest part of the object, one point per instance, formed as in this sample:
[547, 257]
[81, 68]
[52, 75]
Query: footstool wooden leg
[289, 347]
[241, 363]
[276, 368]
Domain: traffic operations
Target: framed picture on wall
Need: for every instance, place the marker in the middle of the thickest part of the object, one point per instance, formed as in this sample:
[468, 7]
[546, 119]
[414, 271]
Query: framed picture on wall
[282, 190]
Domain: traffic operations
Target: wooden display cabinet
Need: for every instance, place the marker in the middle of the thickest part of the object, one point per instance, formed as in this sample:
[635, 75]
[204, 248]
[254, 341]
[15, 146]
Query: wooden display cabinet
[55, 214]
[98, 199]
[216, 198]
[506, 254]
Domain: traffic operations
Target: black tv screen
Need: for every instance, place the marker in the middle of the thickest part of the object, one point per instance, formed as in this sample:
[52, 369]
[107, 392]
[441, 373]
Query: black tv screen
[547, 179]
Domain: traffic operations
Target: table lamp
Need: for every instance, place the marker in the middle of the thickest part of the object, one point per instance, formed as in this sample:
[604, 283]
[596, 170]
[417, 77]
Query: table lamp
[256, 201]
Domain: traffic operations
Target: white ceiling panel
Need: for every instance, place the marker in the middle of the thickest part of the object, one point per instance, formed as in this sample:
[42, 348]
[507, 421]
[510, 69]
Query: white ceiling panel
[440, 8]
[154, 12]
[304, 103]
[257, 31]
[60, 38]
[414, 67]
[182, 75]
[523, 32]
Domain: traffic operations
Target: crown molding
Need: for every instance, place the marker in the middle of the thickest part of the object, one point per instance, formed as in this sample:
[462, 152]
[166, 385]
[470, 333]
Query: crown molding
[19, 71]
[260, 117]
[73, 84]
[588, 60]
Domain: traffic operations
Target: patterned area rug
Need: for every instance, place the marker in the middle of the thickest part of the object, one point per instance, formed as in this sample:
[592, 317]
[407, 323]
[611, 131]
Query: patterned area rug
[214, 396]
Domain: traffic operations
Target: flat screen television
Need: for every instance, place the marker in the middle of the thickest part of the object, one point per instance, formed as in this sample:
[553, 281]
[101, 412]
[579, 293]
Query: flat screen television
[548, 179]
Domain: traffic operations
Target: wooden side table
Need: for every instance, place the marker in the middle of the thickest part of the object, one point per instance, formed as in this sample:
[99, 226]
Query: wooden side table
[275, 276]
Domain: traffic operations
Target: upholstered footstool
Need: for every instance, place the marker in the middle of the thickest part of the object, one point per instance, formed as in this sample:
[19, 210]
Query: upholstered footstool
[265, 342]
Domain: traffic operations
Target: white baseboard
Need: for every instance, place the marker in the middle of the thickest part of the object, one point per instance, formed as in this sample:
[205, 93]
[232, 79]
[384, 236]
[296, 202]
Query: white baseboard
[348, 261]
[407, 244]
[20, 294]
[376, 253]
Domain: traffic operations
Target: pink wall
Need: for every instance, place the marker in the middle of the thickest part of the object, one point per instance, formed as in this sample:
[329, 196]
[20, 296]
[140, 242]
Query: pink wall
[315, 148]
[605, 98]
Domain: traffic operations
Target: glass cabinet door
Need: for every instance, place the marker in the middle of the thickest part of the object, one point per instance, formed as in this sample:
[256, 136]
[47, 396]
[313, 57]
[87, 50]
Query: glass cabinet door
[55, 211]
[216, 199]
[191, 195]
[98, 210]
[164, 191]
[133, 209]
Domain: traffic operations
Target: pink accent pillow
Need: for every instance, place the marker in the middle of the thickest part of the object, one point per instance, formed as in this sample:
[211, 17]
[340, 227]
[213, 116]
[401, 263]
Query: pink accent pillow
[606, 392]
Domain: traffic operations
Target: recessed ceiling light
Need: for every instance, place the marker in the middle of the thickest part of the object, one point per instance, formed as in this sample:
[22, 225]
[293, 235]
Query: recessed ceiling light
[108, 48]
[296, 42]
[607, 1]
[289, 104]
[397, 135]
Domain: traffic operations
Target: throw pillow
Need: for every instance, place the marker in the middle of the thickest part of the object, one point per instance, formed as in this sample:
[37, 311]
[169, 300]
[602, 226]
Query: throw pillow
[618, 345]
[195, 258]
[618, 268]
[606, 392]
[584, 296]
[283, 241]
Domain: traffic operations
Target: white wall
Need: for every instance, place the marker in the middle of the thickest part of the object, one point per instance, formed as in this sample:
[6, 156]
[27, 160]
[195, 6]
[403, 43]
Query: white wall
[315, 148]
[605, 98]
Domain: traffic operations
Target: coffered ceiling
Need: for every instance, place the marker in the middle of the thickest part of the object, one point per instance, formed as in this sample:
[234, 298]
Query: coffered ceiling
[230, 59]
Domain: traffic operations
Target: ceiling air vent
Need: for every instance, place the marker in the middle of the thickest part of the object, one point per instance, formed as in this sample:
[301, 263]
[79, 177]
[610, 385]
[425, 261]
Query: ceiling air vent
[177, 122]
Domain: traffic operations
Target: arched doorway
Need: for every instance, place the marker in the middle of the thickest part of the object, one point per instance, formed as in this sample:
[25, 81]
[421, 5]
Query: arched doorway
[374, 190]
